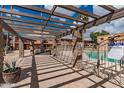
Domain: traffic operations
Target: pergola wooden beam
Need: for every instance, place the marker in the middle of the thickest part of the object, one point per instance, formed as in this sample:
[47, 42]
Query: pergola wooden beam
[49, 12]
[98, 20]
[63, 22]
[72, 8]
[49, 17]
[30, 29]
[38, 26]
[33, 32]
[20, 20]
[33, 16]
[22, 14]
[32, 22]
[108, 7]
[58, 26]
[119, 13]
[56, 29]
[16, 24]
[52, 29]
[52, 32]
[10, 29]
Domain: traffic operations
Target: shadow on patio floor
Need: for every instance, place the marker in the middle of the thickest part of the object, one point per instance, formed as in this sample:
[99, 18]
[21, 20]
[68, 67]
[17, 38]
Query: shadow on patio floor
[54, 76]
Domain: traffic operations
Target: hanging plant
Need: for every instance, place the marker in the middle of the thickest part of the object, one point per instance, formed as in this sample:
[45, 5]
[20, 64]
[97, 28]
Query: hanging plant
[84, 18]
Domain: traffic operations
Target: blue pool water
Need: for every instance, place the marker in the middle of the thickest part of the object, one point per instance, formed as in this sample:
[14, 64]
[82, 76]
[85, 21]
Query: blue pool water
[93, 55]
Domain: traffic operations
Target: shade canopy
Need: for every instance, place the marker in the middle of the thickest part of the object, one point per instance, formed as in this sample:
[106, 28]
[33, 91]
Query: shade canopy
[55, 21]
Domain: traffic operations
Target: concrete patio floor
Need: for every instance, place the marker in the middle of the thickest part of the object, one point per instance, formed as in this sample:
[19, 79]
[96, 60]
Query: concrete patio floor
[45, 72]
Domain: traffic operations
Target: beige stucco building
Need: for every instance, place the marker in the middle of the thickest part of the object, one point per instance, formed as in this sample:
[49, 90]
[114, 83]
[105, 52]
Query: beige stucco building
[104, 40]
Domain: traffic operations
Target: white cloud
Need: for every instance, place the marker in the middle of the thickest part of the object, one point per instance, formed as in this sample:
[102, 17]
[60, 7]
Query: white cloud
[62, 19]
[14, 15]
[116, 26]
[118, 6]
[49, 7]
[64, 11]
[99, 10]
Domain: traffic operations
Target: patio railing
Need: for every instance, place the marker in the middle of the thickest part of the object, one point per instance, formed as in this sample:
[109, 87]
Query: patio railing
[96, 60]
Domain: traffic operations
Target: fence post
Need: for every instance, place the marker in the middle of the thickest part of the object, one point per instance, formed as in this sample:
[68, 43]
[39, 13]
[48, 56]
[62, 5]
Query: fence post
[98, 59]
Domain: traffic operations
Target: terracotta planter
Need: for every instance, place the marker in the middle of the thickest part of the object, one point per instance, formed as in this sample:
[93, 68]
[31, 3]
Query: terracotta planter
[12, 77]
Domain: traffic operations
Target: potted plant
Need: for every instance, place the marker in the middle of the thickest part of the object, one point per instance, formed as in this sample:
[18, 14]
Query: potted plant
[12, 73]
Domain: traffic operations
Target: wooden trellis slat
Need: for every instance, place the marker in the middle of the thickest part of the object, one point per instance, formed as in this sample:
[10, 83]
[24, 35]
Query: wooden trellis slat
[72, 8]
[26, 23]
[12, 12]
[119, 13]
[8, 28]
[11, 30]
[114, 14]
[49, 12]
[108, 7]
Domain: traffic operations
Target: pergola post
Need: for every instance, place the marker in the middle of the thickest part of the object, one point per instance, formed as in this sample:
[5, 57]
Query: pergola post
[13, 42]
[21, 48]
[2, 44]
[7, 43]
[98, 58]
[32, 47]
[83, 43]
[77, 50]
[55, 48]
[41, 47]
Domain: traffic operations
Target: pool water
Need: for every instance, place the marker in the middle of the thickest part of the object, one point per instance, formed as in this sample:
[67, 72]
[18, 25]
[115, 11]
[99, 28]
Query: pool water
[93, 55]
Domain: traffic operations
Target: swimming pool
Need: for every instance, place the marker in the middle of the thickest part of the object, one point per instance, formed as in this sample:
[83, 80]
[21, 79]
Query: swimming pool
[102, 54]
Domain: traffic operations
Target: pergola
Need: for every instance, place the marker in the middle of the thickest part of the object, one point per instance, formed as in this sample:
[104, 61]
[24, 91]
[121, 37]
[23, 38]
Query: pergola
[38, 20]
[56, 21]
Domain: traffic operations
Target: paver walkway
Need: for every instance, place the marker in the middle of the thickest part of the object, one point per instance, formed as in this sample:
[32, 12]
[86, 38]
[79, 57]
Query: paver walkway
[43, 71]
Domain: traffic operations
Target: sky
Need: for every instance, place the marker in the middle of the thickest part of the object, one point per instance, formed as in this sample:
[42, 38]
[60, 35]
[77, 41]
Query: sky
[116, 26]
